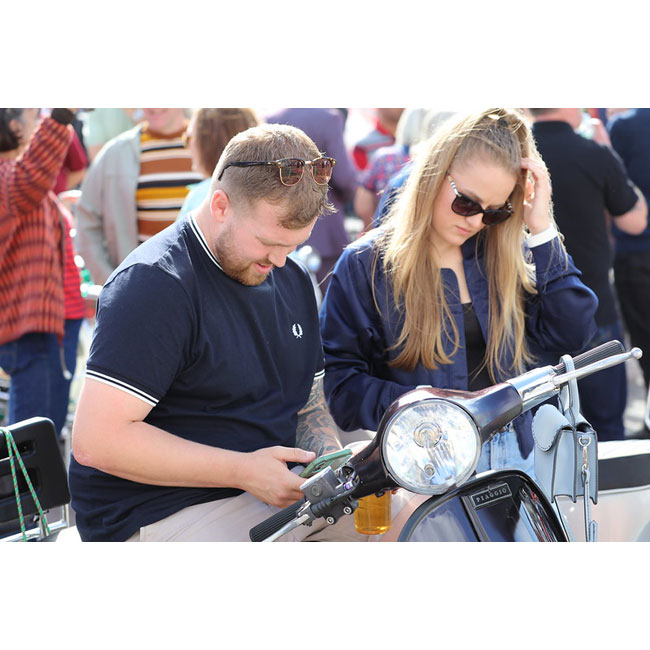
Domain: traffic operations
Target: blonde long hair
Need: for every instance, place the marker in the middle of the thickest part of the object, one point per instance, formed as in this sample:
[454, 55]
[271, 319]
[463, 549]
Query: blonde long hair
[499, 136]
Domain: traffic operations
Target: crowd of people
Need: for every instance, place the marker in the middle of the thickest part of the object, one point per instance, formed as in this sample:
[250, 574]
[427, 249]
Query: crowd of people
[486, 243]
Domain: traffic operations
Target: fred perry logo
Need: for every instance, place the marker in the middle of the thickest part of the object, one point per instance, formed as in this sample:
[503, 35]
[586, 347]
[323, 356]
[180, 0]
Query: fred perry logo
[297, 330]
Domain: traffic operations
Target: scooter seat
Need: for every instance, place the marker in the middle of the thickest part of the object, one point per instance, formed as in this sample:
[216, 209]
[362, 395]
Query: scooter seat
[623, 464]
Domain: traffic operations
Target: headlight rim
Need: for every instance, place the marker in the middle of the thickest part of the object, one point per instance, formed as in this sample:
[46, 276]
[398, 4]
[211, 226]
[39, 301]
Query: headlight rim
[435, 489]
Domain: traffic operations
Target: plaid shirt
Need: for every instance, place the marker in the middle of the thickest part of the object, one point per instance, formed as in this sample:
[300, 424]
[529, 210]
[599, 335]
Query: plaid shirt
[383, 165]
[32, 236]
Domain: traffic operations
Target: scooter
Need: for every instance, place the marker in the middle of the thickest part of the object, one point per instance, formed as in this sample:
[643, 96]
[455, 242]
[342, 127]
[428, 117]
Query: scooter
[429, 443]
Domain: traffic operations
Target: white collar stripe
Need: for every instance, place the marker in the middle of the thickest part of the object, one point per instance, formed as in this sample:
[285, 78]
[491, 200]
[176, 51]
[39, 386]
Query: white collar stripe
[201, 238]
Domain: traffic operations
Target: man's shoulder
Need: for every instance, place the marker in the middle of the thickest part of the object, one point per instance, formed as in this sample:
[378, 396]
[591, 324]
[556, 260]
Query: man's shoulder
[165, 256]
[362, 251]
[629, 116]
[117, 146]
[293, 271]
[590, 153]
[630, 123]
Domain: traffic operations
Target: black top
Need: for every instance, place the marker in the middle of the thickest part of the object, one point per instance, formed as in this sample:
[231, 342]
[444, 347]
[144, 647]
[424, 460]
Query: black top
[587, 179]
[475, 350]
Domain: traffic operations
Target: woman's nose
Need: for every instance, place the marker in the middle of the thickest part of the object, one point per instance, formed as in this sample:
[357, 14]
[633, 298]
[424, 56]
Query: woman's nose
[475, 221]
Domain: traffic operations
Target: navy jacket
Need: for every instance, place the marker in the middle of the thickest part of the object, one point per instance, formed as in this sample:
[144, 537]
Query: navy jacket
[359, 383]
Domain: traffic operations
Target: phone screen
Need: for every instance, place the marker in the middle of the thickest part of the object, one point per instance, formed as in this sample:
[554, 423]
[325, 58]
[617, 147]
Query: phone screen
[333, 460]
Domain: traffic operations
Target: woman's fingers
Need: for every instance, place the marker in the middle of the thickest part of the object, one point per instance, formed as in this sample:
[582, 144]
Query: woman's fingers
[538, 195]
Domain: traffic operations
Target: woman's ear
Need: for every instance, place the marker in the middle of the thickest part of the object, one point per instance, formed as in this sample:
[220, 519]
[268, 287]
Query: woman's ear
[529, 187]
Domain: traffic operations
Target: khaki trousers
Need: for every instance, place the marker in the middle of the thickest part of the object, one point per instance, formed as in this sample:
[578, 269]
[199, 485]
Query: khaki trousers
[230, 520]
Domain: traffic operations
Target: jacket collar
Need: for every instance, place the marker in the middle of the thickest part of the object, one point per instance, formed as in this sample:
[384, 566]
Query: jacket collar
[474, 246]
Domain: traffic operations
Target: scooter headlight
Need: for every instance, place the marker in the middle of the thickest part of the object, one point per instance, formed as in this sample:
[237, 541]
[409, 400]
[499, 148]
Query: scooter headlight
[430, 446]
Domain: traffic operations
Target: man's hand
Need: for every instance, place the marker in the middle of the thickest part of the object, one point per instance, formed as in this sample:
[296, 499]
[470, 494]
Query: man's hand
[265, 475]
[600, 133]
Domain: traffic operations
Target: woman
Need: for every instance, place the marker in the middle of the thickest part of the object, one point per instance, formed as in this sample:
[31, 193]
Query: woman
[465, 281]
[34, 237]
[208, 133]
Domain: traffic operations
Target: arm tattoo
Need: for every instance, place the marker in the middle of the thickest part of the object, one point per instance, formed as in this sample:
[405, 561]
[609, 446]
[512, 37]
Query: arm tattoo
[316, 430]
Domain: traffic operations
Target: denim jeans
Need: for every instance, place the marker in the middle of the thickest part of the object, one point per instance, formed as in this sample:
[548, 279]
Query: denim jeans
[503, 452]
[38, 387]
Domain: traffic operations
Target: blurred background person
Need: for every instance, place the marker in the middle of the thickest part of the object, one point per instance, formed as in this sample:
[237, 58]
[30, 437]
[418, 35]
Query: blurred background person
[104, 124]
[325, 127]
[74, 311]
[589, 183]
[133, 189]
[208, 133]
[415, 125]
[432, 120]
[381, 135]
[74, 167]
[34, 246]
[630, 136]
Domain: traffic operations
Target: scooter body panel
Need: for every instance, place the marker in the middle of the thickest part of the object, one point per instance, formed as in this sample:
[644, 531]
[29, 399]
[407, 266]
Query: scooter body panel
[500, 506]
[623, 509]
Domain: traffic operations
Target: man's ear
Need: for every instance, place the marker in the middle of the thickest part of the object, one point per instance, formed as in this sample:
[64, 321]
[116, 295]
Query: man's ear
[219, 205]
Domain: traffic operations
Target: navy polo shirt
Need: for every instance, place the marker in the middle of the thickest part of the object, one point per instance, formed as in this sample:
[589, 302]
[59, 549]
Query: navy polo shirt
[220, 363]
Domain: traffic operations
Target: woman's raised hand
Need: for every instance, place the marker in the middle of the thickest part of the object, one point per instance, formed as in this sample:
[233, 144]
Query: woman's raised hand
[537, 196]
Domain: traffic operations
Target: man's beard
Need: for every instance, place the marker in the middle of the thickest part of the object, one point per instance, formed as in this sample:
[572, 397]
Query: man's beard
[243, 272]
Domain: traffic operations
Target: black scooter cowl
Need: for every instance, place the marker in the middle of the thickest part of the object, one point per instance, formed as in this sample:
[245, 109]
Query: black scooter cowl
[495, 506]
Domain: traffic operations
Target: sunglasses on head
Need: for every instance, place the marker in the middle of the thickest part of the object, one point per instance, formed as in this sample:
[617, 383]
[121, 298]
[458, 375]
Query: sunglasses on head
[466, 207]
[291, 170]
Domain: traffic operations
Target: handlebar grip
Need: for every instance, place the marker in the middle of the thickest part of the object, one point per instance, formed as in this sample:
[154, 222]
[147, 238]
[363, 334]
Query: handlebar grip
[271, 525]
[599, 353]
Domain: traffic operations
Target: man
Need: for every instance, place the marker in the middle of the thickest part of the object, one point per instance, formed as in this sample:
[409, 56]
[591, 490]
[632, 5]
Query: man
[205, 373]
[103, 124]
[133, 189]
[589, 183]
[630, 136]
[382, 135]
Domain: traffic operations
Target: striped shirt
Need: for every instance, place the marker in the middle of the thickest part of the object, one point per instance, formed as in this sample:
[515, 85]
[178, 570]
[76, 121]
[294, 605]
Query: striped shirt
[165, 173]
[31, 236]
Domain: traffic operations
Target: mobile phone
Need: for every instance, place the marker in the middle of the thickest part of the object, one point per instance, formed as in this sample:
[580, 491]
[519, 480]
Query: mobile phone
[333, 460]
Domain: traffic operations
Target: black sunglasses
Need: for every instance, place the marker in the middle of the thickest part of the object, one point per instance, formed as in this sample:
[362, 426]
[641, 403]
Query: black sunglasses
[466, 207]
[291, 170]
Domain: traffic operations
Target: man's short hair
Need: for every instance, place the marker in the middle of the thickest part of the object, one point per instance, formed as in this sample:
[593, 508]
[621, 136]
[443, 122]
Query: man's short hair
[305, 201]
